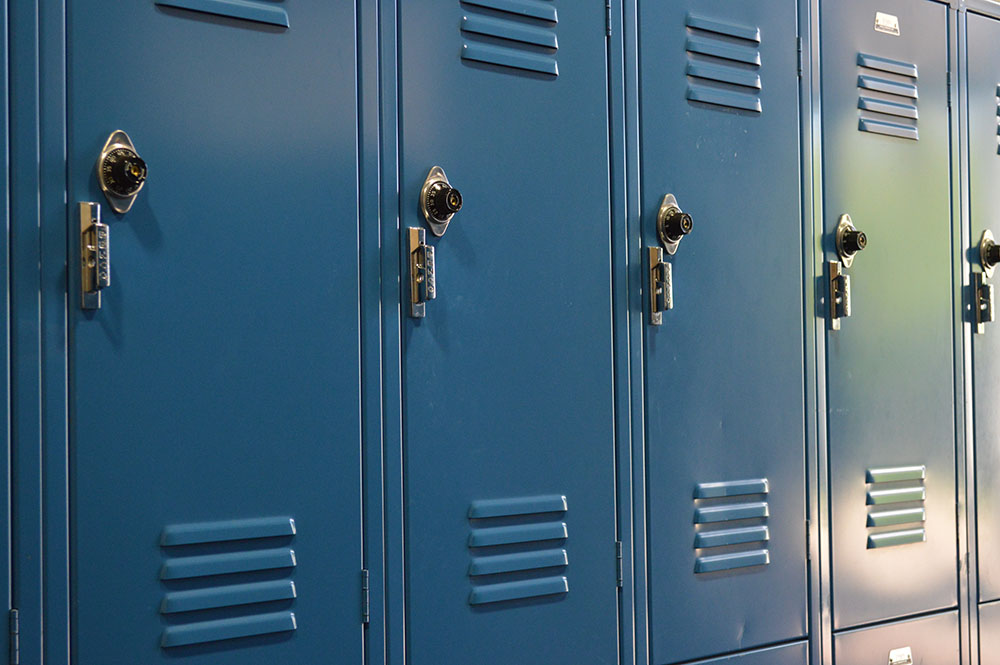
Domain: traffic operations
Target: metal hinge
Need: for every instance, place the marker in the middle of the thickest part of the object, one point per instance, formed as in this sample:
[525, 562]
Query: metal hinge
[607, 17]
[948, 79]
[365, 598]
[619, 563]
[808, 540]
[15, 637]
[798, 47]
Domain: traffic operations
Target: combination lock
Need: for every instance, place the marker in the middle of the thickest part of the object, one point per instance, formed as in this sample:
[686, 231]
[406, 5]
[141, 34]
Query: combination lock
[120, 171]
[439, 201]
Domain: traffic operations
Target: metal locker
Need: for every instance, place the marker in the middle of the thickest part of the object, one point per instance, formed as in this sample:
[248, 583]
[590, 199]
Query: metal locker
[989, 633]
[507, 364]
[890, 382]
[929, 641]
[719, 98]
[789, 654]
[213, 390]
[984, 170]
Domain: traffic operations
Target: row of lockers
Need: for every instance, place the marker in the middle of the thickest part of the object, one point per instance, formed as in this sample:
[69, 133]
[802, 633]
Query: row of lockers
[503, 331]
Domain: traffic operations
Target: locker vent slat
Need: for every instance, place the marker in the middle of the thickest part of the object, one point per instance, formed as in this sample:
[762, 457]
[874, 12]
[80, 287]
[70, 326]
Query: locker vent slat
[227, 567]
[723, 64]
[525, 40]
[895, 498]
[887, 97]
[517, 548]
[731, 529]
[248, 10]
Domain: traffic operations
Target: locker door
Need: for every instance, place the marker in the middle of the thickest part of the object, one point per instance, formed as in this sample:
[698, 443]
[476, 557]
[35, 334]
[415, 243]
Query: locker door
[929, 641]
[215, 485]
[889, 368]
[724, 372]
[509, 466]
[984, 171]
[989, 634]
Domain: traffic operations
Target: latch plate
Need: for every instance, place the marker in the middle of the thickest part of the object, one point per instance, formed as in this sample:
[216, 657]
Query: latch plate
[661, 288]
[423, 286]
[839, 293]
[95, 256]
[901, 656]
[983, 301]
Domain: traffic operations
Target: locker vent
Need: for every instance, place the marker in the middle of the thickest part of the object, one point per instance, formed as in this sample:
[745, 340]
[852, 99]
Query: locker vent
[887, 97]
[730, 521]
[517, 548]
[517, 34]
[723, 64]
[998, 118]
[202, 605]
[248, 10]
[895, 498]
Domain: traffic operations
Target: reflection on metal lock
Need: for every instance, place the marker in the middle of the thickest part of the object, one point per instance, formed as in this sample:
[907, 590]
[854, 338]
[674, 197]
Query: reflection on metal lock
[901, 656]
[423, 285]
[661, 288]
[840, 294]
[95, 256]
[982, 292]
[848, 241]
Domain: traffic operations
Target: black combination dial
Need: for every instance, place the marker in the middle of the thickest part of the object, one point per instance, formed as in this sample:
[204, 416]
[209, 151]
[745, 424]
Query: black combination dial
[442, 201]
[991, 255]
[123, 172]
[854, 241]
[675, 225]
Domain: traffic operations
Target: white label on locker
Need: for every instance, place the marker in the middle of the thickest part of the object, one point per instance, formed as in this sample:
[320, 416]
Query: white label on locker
[902, 656]
[887, 23]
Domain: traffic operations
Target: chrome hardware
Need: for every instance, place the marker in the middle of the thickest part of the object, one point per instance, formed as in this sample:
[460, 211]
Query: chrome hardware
[439, 201]
[849, 241]
[901, 656]
[95, 257]
[422, 282]
[672, 224]
[661, 288]
[982, 292]
[121, 172]
[839, 294]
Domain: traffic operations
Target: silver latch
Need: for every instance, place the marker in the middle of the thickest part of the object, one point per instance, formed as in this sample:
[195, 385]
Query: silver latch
[422, 283]
[661, 288]
[901, 656]
[95, 257]
[848, 241]
[982, 300]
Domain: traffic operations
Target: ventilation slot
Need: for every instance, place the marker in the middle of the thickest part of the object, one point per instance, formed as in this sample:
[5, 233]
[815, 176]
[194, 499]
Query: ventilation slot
[244, 552]
[887, 97]
[723, 65]
[249, 10]
[512, 542]
[516, 34]
[731, 525]
[895, 498]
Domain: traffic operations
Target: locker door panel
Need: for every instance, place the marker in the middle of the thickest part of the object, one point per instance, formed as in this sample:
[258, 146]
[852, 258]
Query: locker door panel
[989, 633]
[929, 641]
[214, 418]
[508, 425]
[726, 497]
[984, 171]
[890, 379]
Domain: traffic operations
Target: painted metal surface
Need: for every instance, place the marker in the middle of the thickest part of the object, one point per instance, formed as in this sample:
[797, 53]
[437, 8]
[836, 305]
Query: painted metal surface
[890, 378]
[790, 654]
[989, 634]
[215, 430]
[719, 102]
[931, 641]
[984, 171]
[507, 382]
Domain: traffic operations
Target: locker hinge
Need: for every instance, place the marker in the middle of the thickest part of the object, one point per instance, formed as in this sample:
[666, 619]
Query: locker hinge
[798, 47]
[948, 79]
[607, 17]
[365, 598]
[619, 563]
[809, 548]
[15, 637]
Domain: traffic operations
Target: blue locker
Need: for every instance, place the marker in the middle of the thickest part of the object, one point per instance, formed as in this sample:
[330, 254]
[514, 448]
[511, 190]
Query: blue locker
[719, 101]
[890, 380]
[984, 170]
[214, 398]
[789, 654]
[507, 378]
[929, 641]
